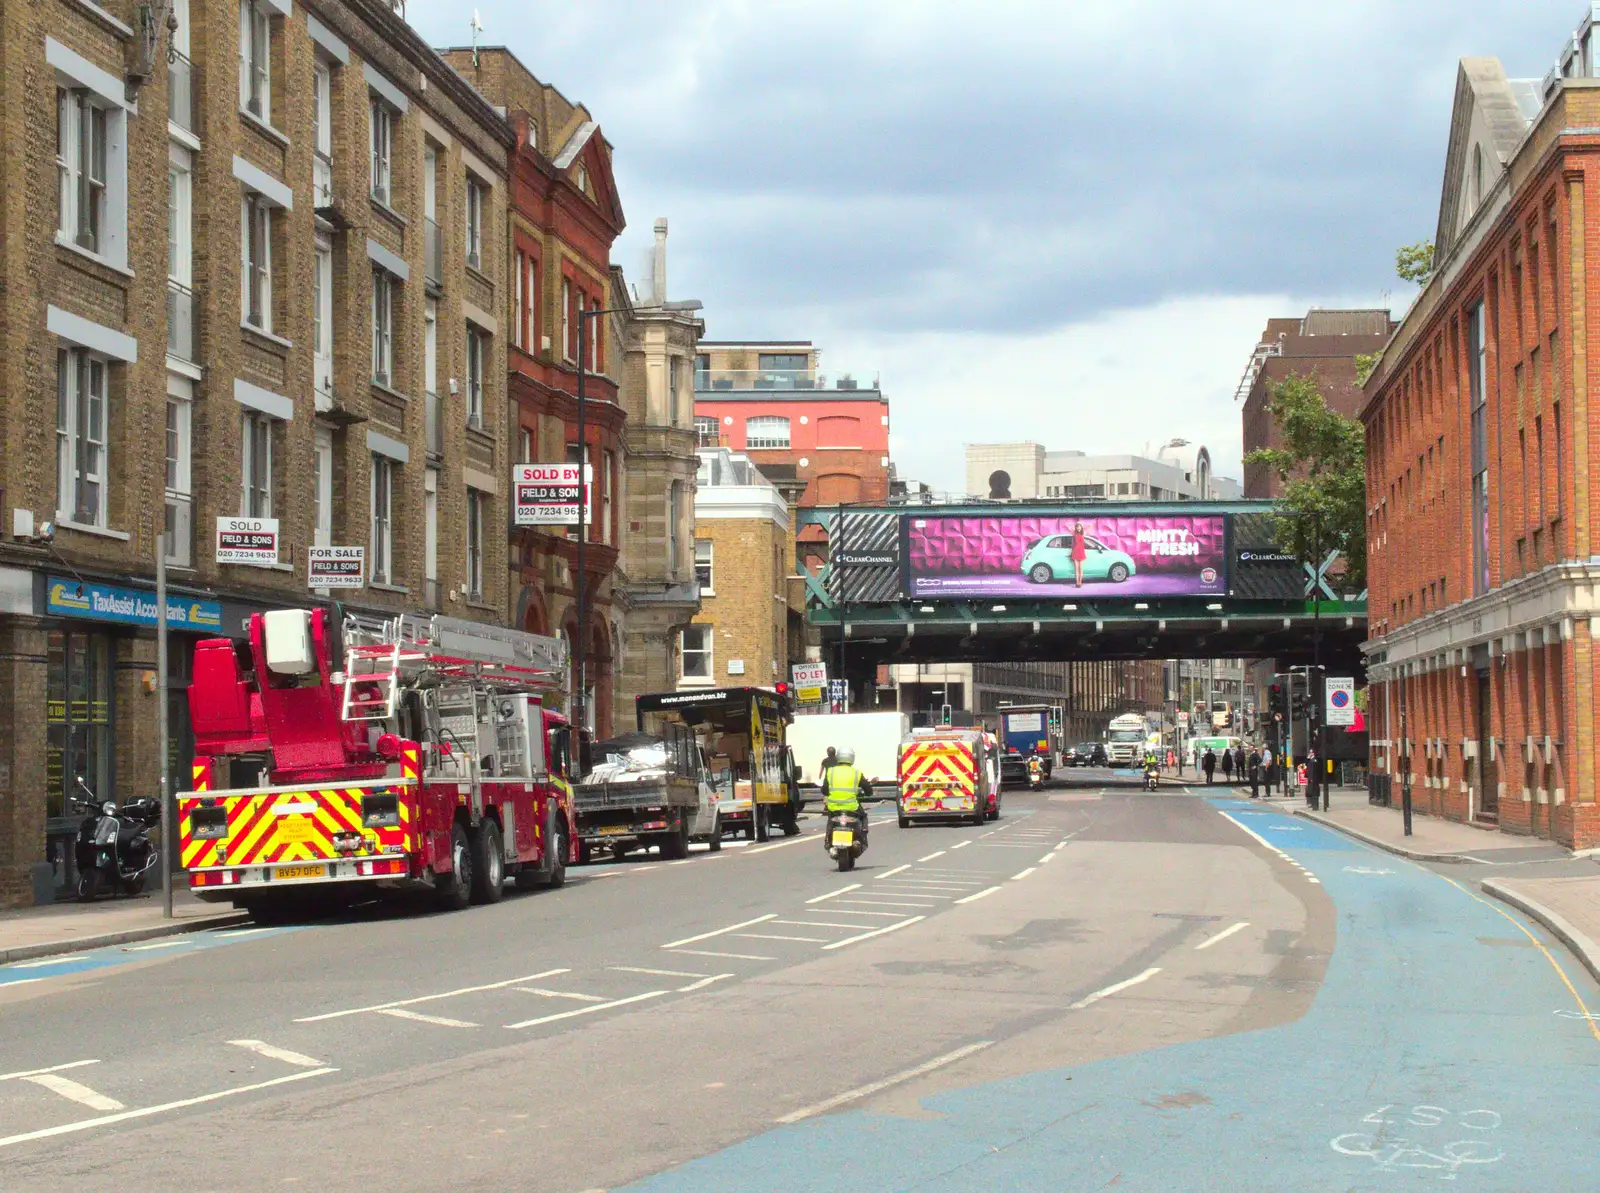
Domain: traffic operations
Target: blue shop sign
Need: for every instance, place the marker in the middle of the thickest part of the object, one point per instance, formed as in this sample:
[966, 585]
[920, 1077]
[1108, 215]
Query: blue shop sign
[130, 606]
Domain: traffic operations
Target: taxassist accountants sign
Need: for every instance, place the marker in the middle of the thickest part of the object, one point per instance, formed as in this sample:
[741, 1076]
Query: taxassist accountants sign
[105, 602]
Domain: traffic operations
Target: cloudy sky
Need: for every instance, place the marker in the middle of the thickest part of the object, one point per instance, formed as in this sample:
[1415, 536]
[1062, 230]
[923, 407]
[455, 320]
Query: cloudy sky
[1063, 220]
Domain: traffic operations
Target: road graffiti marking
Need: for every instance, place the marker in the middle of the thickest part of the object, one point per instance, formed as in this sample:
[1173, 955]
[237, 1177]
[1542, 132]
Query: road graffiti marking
[1391, 1153]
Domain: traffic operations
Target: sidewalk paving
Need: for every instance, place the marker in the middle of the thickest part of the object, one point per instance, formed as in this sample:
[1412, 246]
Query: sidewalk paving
[1569, 907]
[71, 927]
[1431, 840]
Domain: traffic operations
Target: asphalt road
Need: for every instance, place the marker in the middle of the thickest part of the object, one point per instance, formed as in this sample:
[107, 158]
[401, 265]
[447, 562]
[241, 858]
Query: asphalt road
[1107, 988]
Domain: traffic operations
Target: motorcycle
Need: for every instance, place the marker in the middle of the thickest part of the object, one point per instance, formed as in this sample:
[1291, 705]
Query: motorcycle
[1152, 777]
[845, 839]
[1036, 778]
[113, 847]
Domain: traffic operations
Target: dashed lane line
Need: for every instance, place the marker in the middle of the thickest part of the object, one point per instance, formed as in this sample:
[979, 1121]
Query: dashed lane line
[543, 993]
[973, 898]
[420, 1017]
[844, 890]
[1223, 935]
[60, 960]
[888, 915]
[1114, 988]
[703, 982]
[599, 1006]
[410, 1002]
[886, 874]
[864, 1091]
[72, 1090]
[905, 923]
[931, 856]
[660, 973]
[1049, 857]
[760, 919]
[1023, 874]
[262, 1048]
[816, 924]
[891, 902]
[160, 944]
[781, 844]
[774, 936]
[961, 844]
[21, 1073]
[731, 956]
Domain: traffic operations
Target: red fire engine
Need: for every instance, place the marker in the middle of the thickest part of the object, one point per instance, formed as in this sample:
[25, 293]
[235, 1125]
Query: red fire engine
[428, 761]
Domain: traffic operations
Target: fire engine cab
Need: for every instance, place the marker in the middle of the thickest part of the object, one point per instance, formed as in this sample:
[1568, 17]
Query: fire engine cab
[427, 760]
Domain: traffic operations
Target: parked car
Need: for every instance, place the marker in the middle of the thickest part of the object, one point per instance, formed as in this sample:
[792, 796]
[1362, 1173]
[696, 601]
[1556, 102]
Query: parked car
[1086, 753]
[1050, 559]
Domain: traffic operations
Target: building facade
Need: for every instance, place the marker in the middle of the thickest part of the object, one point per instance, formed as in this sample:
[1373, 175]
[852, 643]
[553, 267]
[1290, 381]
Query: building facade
[1323, 342]
[740, 637]
[657, 579]
[1179, 471]
[1479, 452]
[228, 299]
[1089, 692]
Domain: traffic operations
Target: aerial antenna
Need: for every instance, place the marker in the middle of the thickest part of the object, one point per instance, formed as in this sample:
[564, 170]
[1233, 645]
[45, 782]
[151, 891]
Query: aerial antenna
[477, 28]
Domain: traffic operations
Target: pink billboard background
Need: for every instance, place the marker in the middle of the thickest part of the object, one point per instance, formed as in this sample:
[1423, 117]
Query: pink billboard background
[1172, 555]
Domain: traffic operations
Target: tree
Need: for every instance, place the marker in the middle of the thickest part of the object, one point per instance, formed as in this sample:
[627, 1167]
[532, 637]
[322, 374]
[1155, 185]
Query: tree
[1414, 262]
[1323, 465]
[1365, 363]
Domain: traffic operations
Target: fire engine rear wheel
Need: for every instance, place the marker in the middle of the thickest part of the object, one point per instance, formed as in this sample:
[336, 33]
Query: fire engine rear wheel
[454, 890]
[488, 864]
[555, 833]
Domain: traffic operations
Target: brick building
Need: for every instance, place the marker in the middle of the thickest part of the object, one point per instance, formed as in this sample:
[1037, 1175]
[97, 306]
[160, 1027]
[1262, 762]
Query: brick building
[740, 636]
[565, 215]
[1479, 452]
[231, 298]
[1323, 342]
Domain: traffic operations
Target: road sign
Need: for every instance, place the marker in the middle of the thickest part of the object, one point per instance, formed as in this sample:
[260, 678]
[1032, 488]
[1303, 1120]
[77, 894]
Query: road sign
[810, 682]
[1341, 700]
[336, 567]
[836, 694]
[546, 494]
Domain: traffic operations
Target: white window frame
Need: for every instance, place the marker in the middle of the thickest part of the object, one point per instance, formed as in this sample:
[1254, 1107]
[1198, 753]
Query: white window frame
[430, 347]
[569, 350]
[91, 213]
[255, 260]
[179, 514]
[524, 446]
[381, 119]
[707, 637]
[382, 529]
[475, 521]
[766, 442]
[322, 116]
[255, 59]
[83, 416]
[708, 587]
[180, 216]
[255, 464]
[322, 488]
[608, 468]
[322, 316]
[474, 220]
[430, 529]
[382, 327]
[520, 308]
[474, 370]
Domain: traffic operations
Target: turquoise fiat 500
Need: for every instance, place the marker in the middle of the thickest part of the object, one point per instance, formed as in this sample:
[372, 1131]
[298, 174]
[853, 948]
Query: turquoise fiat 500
[1051, 559]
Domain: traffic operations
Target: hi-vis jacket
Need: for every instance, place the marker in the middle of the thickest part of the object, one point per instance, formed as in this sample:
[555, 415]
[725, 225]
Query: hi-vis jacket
[843, 786]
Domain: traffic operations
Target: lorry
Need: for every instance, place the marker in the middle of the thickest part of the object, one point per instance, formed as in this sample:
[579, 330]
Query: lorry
[874, 736]
[743, 732]
[1028, 731]
[1125, 739]
[407, 753]
[643, 789]
[946, 774]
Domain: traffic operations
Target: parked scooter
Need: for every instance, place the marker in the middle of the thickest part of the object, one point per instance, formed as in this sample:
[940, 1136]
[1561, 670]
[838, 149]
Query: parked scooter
[845, 838]
[113, 850]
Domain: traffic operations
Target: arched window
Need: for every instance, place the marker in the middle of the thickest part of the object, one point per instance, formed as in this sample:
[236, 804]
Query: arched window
[766, 431]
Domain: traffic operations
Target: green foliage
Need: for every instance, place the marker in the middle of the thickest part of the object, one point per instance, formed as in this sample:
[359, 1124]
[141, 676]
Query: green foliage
[1414, 262]
[1323, 466]
[1365, 363]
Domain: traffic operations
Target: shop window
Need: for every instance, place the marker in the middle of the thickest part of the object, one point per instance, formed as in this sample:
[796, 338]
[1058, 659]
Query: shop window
[78, 739]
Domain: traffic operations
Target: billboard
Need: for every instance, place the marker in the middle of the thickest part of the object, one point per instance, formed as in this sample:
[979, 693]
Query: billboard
[1062, 555]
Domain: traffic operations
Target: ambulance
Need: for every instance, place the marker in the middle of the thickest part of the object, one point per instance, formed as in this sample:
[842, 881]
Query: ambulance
[947, 774]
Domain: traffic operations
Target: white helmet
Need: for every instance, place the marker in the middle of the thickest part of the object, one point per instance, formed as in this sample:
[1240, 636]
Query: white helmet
[846, 756]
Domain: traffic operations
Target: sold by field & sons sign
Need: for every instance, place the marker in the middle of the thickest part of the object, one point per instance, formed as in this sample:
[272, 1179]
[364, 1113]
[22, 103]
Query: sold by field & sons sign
[336, 567]
[546, 494]
[247, 540]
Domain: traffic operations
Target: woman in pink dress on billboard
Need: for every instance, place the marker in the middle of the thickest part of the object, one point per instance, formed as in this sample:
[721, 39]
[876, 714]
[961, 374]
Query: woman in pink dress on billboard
[1079, 552]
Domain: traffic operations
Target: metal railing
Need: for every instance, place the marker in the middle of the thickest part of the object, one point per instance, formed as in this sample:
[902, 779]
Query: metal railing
[180, 91]
[709, 380]
[180, 321]
[433, 263]
[435, 419]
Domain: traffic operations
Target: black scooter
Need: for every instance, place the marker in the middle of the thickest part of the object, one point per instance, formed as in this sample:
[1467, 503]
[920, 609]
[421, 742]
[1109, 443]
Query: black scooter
[113, 849]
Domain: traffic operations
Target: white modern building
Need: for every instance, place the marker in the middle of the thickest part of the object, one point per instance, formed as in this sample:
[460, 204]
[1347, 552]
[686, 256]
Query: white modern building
[1178, 471]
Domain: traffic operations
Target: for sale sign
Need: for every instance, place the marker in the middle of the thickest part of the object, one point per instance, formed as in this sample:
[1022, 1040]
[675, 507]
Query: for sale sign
[336, 567]
[1341, 699]
[247, 540]
[810, 682]
[546, 494]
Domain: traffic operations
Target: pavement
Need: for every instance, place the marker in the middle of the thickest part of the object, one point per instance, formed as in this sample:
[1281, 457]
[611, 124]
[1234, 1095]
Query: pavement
[1106, 988]
[70, 927]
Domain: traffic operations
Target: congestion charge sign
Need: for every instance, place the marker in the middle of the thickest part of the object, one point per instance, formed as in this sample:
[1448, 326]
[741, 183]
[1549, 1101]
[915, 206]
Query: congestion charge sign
[1341, 700]
[546, 494]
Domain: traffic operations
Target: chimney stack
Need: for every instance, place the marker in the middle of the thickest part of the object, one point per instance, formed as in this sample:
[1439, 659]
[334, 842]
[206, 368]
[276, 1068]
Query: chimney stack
[659, 272]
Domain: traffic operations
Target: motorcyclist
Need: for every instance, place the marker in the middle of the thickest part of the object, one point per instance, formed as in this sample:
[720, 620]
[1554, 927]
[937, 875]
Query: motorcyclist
[1152, 765]
[844, 787]
[1035, 770]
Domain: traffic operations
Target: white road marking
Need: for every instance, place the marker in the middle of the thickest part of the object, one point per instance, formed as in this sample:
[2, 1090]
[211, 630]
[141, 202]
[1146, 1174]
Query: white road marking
[863, 1091]
[71, 1064]
[734, 956]
[68, 1088]
[815, 924]
[408, 1002]
[896, 870]
[854, 886]
[961, 845]
[1114, 987]
[245, 932]
[1049, 857]
[760, 919]
[931, 856]
[940, 882]
[703, 982]
[599, 1006]
[262, 1048]
[1024, 874]
[58, 960]
[891, 902]
[660, 973]
[889, 915]
[160, 944]
[419, 1017]
[906, 923]
[1223, 935]
[781, 844]
[543, 993]
[1313, 881]
[146, 1111]
[773, 936]
[973, 898]
[1004, 845]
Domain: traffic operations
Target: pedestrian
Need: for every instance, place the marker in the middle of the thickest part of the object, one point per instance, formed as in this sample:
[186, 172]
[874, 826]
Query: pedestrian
[1227, 765]
[1208, 763]
[831, 759]
[1266, 767]
[1255, 774]
[1311, 777]
[1239, 761]
[1172, 758]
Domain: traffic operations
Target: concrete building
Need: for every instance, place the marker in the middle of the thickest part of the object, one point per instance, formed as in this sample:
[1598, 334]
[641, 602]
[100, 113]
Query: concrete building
[656, 581]
[1090, 693]
[1179, 471]
[1321, 342]
[1480, 450]
[230, 300]
[740, 637]
[565, 215]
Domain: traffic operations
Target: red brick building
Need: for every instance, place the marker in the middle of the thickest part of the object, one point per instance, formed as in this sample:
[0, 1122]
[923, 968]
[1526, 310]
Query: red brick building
[1479, 452]
[564, 217]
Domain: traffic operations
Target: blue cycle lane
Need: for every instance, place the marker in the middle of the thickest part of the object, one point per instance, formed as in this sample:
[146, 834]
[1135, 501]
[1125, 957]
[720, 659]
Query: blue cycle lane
[1450, 1044]
[110, 956]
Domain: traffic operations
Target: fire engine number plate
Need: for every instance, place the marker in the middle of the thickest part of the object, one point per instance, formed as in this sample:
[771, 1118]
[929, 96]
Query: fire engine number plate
[613, 830]
[283, 872]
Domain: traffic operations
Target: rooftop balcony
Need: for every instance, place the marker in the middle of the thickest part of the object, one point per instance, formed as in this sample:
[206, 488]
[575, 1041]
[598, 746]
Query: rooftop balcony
[714, 380]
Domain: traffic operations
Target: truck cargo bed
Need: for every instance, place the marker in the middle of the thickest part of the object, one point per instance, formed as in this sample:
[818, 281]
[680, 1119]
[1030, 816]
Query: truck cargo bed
[642, 793]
